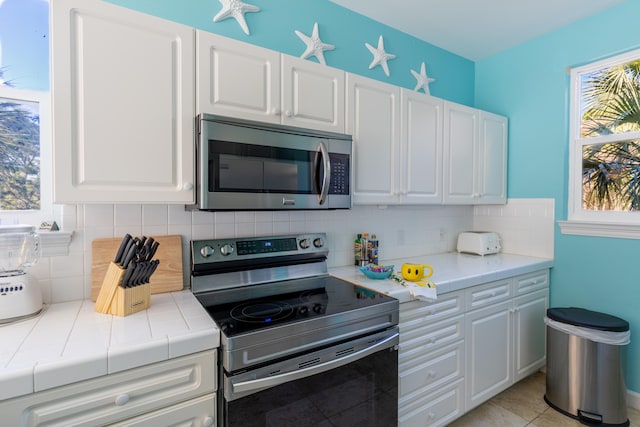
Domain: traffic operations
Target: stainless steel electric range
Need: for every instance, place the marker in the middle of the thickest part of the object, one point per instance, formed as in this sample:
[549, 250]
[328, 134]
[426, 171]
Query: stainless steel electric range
[298, 346]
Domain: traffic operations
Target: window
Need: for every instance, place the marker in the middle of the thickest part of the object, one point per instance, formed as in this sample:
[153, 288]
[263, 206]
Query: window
[25, 127]
[25, 150]
[604, 152]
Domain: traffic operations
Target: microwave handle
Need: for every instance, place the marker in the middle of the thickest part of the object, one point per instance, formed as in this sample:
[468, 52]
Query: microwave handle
[326, 162]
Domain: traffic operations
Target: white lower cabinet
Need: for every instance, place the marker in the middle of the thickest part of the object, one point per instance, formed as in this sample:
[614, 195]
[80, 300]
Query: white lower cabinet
[489, 344]
[468, 346]
[431, 361]
[178, 392]
[193, 413]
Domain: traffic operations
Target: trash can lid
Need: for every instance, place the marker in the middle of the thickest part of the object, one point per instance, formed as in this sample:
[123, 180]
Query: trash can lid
[588, 319]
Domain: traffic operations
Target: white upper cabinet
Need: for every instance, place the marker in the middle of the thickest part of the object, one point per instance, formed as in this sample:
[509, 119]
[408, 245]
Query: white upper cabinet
[373, 118]
[421, 148]
[460, 153]
[123, 105]
[312, 95]
[475, 156]
[244, 81]
[237, 79]
[492, 167]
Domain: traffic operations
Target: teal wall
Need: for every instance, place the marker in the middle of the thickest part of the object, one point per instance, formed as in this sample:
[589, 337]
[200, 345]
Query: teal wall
[273, 27]
[530, 84]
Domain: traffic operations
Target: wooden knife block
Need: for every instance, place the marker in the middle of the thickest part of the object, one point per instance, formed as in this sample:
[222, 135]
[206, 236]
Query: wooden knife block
[114, 299]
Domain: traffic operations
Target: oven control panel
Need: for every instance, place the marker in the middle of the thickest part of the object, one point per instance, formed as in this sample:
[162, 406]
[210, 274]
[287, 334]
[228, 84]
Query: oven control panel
[224, 250]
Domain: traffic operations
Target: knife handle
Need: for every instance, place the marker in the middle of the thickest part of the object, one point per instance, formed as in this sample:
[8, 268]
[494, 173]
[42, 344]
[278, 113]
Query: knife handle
[121, 250]
[126, 280]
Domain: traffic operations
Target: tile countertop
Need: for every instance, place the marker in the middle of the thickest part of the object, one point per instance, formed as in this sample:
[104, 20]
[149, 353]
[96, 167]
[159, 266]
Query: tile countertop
[71, 342]
[451, 271]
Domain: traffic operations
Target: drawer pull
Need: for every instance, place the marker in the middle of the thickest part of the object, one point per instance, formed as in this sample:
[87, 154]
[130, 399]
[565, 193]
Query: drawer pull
[432, 416]
[207, 422]
[432, 340]
[493, 293]
[432, 374]
[122, 399]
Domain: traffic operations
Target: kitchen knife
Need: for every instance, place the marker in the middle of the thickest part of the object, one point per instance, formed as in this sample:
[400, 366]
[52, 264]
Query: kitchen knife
[154, 265]
[130, 255]
[126, 280]
[135, 277]
[145, 252]
[121, 250]
[154, 248]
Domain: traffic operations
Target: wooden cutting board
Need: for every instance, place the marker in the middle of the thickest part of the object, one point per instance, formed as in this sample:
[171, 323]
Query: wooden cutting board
[167, 277]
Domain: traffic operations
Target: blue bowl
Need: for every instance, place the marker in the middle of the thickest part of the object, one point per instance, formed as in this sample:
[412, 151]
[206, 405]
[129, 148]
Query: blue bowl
[369, 271]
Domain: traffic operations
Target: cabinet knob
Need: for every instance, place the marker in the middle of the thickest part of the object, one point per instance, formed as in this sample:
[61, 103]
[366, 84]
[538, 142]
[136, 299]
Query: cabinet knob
[432, 416]
[432, 374]
[276, 112]
[122, 399]
[288, 113]
[187, 186]
[207, 422]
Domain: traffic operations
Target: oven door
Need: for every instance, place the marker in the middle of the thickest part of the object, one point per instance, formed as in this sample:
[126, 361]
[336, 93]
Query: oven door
[353, 383]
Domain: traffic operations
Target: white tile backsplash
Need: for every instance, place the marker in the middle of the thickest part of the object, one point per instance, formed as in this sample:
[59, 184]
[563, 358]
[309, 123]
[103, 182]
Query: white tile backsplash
[525, 225]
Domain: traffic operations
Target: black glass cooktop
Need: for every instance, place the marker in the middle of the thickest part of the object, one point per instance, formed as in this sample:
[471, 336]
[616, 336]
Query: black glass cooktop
[317, 297]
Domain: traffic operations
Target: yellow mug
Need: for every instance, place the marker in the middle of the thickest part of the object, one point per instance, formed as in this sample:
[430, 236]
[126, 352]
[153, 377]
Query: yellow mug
[415, 272]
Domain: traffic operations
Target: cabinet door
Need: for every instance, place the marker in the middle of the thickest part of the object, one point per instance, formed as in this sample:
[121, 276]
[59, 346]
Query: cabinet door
[237, 79]
[421, 148]
[492, 167]
[488, 338]
[199, 412]
[460, 153]
[373, 118]
[123, 105]
[115, 397]
[530, 333]
[312, 95]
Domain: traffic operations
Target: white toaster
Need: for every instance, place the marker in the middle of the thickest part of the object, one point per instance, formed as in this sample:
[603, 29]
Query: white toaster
[479, 242]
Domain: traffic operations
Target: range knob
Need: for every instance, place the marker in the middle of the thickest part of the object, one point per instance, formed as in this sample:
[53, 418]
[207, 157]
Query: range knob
[206, 251]
[317, 308]
[318, 242]
[226, 250]
[304, 243]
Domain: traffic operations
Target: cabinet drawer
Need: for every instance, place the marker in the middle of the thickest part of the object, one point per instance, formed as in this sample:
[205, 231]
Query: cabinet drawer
[424, 374]
[200, 412]
[434, 410]
[491, 293]
[116, 397]
[531, 282]
[419, 338]
[447, 305]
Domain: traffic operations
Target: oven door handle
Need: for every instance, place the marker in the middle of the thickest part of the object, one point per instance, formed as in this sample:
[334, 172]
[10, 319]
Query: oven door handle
[262, 383]
[326, 164]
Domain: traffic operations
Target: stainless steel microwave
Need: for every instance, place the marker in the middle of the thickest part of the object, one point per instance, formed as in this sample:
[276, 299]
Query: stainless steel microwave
[247, 165]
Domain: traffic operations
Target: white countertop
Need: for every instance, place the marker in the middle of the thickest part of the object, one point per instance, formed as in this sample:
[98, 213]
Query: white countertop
[71, 342]
[451, 271]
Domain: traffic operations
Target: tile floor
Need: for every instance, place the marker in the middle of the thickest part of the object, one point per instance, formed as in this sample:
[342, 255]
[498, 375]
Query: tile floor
[523, 405]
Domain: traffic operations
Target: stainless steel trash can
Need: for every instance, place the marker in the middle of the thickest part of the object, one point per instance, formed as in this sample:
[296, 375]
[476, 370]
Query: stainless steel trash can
[586, 353]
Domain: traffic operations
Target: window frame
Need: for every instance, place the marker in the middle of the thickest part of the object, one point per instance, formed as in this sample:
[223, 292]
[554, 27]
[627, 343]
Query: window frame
[43, 99]
[588, 222]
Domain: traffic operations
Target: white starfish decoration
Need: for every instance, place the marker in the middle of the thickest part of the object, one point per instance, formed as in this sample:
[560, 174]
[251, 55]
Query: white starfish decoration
[380, 57]
[315, 46]
[235, 9]
[423, 80]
